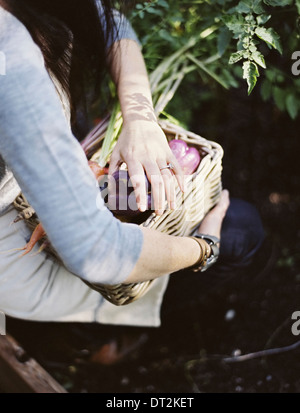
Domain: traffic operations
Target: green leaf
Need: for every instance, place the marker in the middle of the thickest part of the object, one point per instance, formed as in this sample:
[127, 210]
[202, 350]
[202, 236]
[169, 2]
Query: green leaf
[263, 18]
[245, 40]
[224, 38]
[230, 79]
[152, 10]
[296, 82]
[248, 6]
[271, 75]
[235, 23]
[280, 78]
[259, 59]
[243, 7]
[258, 7]
[238, 71]
[252, 48]
[266, 90]
[270, 37]
[250, 73]
[298, 5]
[111, 135]
[275, 3]
[292, 105]
[235, 57]
[207, 70]
[163, 3]
[279, 97]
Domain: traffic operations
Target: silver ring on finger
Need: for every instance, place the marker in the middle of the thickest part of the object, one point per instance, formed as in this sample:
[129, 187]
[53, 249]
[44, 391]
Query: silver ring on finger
[168, 166]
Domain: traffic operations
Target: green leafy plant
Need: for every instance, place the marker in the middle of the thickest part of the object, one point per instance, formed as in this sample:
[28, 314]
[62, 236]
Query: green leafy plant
[247, 22]
[234, 41]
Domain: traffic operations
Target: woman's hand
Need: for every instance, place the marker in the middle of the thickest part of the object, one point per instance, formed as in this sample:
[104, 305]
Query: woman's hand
[143, 146]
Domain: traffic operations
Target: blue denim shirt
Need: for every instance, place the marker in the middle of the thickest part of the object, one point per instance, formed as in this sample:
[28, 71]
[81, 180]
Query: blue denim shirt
[50, 167]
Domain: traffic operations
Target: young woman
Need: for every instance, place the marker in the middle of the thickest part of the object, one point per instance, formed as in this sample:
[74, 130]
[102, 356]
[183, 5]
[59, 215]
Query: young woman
[54, 50]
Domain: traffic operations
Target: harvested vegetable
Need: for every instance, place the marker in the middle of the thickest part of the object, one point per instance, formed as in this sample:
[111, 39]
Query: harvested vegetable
[36, 236]
[188, 157]
[121, 199]
[97, 170]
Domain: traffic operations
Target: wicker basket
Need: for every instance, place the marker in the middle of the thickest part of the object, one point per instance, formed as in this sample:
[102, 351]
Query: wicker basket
[202, 192]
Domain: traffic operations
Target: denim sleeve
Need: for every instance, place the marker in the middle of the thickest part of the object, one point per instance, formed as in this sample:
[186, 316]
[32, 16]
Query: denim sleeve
[122, 28]
[49, 164]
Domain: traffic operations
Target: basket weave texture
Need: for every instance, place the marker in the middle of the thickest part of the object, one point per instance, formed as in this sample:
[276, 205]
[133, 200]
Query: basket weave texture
[203, 189]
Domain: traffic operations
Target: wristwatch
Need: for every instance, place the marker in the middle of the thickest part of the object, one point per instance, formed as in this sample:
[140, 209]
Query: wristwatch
[208, 261]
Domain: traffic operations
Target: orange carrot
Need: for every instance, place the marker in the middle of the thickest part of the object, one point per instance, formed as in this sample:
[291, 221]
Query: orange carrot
[96, 169]
[37, 234]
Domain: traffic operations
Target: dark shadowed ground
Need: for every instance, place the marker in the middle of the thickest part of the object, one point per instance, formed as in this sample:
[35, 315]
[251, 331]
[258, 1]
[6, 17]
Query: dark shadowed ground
[248, 314]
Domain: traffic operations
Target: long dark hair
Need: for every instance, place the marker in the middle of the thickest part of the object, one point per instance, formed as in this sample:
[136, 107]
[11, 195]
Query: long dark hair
[72, 39]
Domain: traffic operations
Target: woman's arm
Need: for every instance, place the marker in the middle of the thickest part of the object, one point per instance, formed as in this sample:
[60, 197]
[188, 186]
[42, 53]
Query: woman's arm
[51, 168]
[163, 254]
[142, 144]
[176, 253]
[37, 144]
